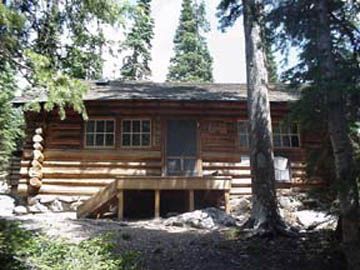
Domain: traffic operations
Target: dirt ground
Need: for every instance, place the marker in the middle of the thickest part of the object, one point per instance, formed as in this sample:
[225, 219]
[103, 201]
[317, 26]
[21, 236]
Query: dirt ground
[166, 247]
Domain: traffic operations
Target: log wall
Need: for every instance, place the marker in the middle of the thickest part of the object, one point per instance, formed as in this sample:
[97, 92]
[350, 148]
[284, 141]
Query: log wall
[69, 168]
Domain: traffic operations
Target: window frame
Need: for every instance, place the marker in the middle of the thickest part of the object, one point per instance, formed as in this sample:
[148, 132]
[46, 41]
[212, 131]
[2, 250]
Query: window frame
[288, 134]
[247, 134]
[104, 146]
[140, 133]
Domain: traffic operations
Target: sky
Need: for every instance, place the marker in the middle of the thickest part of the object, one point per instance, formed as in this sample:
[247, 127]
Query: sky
[227, 49]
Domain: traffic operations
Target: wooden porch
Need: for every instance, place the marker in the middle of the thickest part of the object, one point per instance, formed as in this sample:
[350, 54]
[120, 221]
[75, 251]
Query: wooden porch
[114, 192]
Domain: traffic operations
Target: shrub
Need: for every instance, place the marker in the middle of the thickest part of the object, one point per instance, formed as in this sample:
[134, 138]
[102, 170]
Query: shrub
[20, 249]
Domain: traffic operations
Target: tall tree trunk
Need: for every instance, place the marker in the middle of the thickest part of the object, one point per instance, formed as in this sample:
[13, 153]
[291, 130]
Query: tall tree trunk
[341, 143]
[265, 215]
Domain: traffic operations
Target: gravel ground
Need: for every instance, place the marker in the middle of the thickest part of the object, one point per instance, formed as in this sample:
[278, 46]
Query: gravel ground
[168, 247]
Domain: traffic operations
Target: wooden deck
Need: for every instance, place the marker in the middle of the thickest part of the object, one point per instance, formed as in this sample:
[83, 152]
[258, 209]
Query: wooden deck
[115, 191]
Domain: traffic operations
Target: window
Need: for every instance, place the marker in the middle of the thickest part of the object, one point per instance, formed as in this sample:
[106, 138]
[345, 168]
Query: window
[243, 133]
[282, 169]
[100, 133]
[136, 133]
[286, 135]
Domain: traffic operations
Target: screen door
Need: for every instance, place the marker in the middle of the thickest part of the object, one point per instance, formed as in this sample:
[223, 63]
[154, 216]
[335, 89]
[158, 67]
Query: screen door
[181, 147]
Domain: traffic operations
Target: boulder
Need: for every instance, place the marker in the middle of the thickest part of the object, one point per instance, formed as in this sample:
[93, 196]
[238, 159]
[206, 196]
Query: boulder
[7, 205]
[20, 210]
[240, 206]
[311, 219]
[208, 218]
[38, 208]
[3, 187]
[68, 199]
[46, 199]
[56, 206]
[74, 206]
[289, 203]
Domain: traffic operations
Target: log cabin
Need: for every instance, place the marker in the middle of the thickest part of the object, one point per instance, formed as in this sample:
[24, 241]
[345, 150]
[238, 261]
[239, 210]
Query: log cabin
[148, 149]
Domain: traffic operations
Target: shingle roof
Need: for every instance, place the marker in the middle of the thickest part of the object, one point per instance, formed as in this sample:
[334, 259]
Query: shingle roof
[120, 90]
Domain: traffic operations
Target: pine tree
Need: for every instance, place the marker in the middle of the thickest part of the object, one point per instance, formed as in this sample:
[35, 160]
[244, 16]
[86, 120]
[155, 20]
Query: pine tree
[11, 121]
[329, 66]
[138, 44]
[192, 61]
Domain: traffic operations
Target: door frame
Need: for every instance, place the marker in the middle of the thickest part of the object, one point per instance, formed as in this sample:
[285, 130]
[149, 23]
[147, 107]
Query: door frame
[164, 130]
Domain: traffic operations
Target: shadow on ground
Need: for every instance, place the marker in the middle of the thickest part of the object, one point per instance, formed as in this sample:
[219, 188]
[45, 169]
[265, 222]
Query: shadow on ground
[162, 247]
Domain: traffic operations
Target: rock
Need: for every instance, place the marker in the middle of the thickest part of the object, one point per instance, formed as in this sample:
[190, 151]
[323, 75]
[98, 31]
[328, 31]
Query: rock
[38, 208]
[289, 203]
[32, 200]
[68, 199]
[20, 210]
[46, 199]
[75, 205]
[56, 206]
[7, 205]
[4, 187]
[208, 218]
[240, 206]
[311, 219]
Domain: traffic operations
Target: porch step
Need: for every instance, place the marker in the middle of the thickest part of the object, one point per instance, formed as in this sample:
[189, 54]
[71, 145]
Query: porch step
[97, 203]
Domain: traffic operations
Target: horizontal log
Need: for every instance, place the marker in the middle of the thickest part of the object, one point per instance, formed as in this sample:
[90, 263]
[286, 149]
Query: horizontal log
[77, 182]
[236, 182]
[99, 170]
[37, 138]
[38, 146]
[35, 182]
[38, 155]
[117, 164]
[102, 154]
[240, 191]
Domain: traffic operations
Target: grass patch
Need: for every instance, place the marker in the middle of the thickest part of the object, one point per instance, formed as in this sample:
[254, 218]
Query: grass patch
[21, 249]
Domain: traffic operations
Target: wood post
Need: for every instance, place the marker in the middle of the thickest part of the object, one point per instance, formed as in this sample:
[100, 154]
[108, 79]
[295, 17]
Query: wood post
[227, 199]
[120, 212]
[191, 200]
[157, 203]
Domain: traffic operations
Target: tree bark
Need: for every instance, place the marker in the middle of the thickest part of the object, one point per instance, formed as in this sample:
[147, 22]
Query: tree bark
[341, 143]
[265, 216]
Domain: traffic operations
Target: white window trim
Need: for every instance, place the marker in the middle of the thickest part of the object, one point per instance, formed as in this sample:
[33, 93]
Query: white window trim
[246, 122]
[287, 134]
[140, 133]
[104, 133]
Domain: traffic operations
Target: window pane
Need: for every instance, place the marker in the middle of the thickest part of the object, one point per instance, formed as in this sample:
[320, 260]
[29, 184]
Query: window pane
[135, 139]
[190, 167]
[145, 139]
[276, 129]
[145, 126]
[109, 139]
[90, 126]
[126, 126]
[295, 141]
[99, 139]
[294, 128]
[109, 126]
[243, 140]
[136, 126]
[100, 126]
[89, 139]
[173, 166]
[126, 139]
[286, 141]
[277, 141]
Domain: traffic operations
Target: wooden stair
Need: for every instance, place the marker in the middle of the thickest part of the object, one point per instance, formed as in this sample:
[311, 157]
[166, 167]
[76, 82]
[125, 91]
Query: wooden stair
[96, 205]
